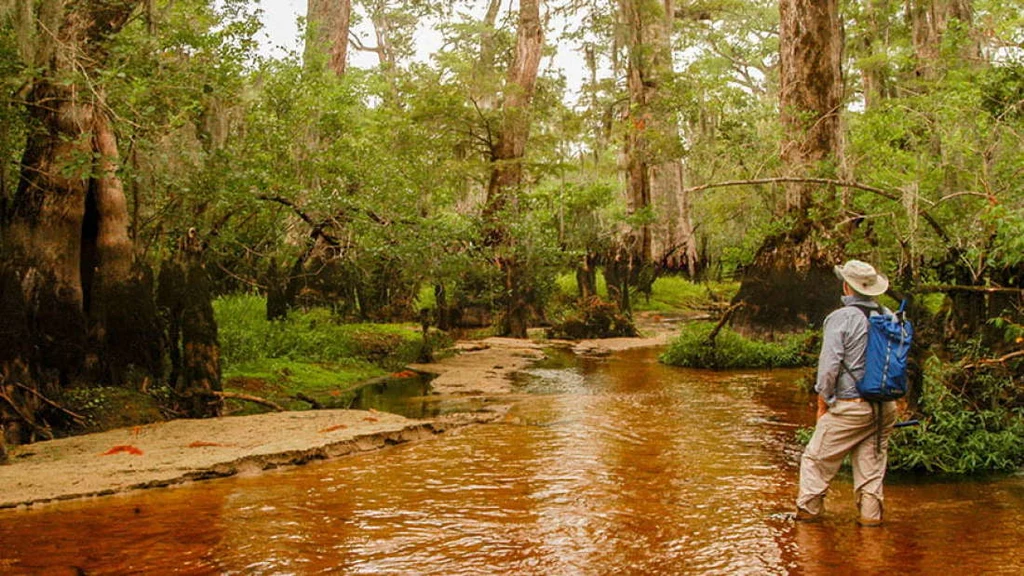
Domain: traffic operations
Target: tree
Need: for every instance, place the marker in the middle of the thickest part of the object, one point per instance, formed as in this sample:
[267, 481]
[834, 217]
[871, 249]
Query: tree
[654, 172]
[786, 287]
[327, 30]
[507, 155]
[65, 239]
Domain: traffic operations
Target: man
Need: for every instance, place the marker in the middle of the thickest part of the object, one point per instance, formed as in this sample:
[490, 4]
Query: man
[846, 423]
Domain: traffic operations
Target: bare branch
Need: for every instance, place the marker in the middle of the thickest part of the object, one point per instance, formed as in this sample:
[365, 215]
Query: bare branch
[828, 182]
[245, 397]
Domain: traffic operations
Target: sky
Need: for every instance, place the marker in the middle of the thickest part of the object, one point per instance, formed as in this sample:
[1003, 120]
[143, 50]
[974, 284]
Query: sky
[281, 35]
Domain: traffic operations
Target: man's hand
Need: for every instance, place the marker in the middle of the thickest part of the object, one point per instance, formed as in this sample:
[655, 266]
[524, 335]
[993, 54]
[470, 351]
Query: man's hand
[822, 407]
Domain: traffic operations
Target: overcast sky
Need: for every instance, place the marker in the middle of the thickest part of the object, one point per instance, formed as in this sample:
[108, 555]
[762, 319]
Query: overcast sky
[281, 36]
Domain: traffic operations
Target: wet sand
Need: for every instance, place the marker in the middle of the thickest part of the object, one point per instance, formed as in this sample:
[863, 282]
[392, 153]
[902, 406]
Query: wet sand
[179, 451]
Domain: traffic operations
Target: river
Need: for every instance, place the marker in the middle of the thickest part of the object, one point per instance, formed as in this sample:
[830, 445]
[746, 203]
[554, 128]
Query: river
[605, 466]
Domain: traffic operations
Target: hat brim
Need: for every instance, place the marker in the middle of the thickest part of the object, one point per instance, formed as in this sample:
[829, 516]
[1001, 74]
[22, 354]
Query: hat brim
[878, 288]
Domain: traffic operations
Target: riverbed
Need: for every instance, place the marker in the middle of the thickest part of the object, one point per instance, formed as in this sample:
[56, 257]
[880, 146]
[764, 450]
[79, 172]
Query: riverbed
[612, 465]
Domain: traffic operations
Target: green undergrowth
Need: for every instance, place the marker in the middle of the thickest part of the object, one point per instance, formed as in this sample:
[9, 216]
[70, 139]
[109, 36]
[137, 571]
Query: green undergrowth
[694, 349]
[311, 352]
[676, 294]
[102, 408]
[971, 422]
[668, 293]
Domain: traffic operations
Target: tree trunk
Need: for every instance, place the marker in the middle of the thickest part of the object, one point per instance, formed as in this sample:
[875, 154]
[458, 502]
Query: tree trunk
[328, 23]
[929, 21]
[874, 43]
[69, 284]
[640, 19]
[507, 155]
[186, 301]
[790, 285]
[653, 171]
[811, 91]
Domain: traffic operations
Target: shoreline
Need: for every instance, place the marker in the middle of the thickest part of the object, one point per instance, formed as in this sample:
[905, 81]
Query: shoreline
[186, 450]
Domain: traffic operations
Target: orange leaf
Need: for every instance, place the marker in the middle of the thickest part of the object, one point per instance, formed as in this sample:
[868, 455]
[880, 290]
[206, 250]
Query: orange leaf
[371, 419]
[123, 448]
[201, 444]
[333, 428]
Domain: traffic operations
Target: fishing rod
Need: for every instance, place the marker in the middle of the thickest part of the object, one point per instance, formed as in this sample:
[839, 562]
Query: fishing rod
[906, 423]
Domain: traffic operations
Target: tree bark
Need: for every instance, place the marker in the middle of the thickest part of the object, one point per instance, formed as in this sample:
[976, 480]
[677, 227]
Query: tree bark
[506, 156]
[790, 286]
[78, 307]
[929, 21]
[186, 301]
[67, 236]
[810, 94]
[328, 23]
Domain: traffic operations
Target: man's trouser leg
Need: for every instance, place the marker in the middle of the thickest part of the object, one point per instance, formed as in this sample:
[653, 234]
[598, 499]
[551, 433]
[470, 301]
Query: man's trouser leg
[840, 430]
[869, 460]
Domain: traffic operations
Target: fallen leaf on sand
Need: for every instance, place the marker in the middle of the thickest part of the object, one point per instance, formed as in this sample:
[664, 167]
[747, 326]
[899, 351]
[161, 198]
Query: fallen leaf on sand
[333, 428]
[201, 444]
[371, 419]
[123, 448]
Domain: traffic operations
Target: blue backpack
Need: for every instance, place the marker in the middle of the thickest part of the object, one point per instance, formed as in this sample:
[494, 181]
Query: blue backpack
[889, 338]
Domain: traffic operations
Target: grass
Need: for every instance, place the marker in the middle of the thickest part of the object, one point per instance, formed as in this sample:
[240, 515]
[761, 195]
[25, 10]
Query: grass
[732, 351]
[668, 293]
[311, 352]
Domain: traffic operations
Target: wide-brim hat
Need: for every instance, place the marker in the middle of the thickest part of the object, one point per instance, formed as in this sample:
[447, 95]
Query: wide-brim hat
[863, 278]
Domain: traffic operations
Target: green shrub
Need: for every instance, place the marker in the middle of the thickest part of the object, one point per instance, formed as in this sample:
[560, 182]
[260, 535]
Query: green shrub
[692, 349]
[674, 293]
[970, 422]
[308, 353]
[668, 293]
[310, 336]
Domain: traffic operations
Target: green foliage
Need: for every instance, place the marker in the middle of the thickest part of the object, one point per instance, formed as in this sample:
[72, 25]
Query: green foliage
[309, 353]
[313, 336]
[109, 407]
[674, 293]
[692, 349]
[978, 427]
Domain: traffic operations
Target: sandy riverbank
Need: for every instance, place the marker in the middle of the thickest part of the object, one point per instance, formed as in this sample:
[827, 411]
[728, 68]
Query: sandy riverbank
[180, 451]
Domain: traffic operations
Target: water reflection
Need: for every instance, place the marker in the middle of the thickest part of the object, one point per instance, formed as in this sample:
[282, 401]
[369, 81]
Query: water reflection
[619, 465]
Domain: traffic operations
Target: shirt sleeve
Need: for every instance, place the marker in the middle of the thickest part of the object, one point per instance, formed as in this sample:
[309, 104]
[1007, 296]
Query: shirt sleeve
[830, 359]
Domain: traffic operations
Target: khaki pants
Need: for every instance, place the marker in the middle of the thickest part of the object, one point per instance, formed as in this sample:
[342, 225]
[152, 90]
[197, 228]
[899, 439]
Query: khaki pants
[847, 428]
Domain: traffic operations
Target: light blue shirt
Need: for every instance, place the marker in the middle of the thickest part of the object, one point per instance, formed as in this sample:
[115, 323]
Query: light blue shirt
[844, 340]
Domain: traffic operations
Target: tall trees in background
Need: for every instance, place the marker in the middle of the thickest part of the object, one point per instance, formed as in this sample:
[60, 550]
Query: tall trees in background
[328, 23]
[129, 140]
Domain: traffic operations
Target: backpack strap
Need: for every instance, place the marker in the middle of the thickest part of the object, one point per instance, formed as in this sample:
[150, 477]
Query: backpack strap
[867, 316]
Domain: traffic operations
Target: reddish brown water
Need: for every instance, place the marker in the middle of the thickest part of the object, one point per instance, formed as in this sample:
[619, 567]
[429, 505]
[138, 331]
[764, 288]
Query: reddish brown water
[620, 466]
